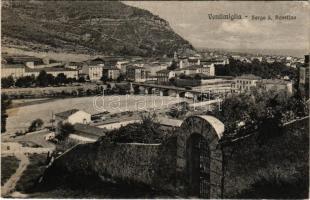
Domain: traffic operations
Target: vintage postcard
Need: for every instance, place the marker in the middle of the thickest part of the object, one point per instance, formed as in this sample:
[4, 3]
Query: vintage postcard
[155, 99]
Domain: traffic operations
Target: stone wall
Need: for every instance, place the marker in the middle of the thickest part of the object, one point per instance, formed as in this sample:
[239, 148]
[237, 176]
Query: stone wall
[233, 167]
[147, 164]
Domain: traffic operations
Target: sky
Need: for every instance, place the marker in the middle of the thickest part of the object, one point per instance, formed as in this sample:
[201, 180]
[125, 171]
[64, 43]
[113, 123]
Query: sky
[191, 21]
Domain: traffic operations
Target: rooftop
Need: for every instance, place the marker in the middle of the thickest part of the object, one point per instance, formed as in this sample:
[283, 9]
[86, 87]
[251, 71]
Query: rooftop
[134, 67]
[249, 77]
[48, 69]
[164, 71]
[110, 68]
[89, 131]
[67, 113]
[275, 81]
[12, 66]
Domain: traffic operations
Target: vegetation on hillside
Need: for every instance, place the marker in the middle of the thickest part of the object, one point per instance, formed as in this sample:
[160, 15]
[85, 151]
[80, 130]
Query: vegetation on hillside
[148, 131]
[108, 27]
[260, 109]
[9, 165]
[262, 69]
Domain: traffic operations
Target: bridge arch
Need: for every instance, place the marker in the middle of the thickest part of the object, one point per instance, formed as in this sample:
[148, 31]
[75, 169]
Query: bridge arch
[199, 157]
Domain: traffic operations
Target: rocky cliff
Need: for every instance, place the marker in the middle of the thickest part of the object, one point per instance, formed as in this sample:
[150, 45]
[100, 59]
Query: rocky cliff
[107, 27]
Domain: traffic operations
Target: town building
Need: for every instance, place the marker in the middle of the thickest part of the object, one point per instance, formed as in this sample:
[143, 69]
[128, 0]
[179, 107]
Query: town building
[193, 61]
[14, 70]
[21, 59]
[186, 71]
[93, 68]
[163, 76]
[245, 82]
[111, 72]
[136, 74]
[196, 69]
[94, 72]
[183, 62]
[153, 68]
[84, 133]
[304, 77]
[208, 70]
[73, 116]
[214, 61]
[55, 71]
[277, 85]
[121, 65]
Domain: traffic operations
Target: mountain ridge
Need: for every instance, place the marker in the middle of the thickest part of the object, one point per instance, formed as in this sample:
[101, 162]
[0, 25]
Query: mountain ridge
[108, 27]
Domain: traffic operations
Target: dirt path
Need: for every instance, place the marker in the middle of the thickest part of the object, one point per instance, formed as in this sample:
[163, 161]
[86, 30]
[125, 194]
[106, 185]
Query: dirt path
[10, 185]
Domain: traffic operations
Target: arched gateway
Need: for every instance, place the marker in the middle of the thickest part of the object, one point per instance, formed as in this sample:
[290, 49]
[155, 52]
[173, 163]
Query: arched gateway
[199, 157]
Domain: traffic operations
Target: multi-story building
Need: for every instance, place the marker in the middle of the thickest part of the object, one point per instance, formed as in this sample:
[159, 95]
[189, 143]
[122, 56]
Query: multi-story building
[16, 70]
[214, 61]
[186, 71]
[245, 82]
[69, 73]
[197, 69]
[304, 77]
[111, 72]
[153, 68]
[163, 76]
[121, 65]
[206, 70]
[136, 74]
[94, 72]
[277, 85]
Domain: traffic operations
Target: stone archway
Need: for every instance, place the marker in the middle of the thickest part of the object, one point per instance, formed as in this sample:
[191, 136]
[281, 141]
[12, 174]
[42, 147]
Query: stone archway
[202, 132]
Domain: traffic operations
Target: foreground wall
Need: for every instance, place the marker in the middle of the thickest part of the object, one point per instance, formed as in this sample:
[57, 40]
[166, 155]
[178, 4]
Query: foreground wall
[234, 168]
[146, 164]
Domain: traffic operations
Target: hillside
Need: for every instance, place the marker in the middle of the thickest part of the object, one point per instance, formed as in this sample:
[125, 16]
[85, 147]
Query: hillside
[107, 27]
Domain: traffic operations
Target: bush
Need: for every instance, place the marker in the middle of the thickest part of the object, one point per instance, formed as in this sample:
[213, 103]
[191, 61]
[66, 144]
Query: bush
[178, 110]
[64, 131]
[276, 186]
[35, 125]
[7, 82]
[148, 131]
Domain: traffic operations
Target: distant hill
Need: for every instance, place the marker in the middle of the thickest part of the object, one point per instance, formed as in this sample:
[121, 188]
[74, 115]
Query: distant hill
[106, 27]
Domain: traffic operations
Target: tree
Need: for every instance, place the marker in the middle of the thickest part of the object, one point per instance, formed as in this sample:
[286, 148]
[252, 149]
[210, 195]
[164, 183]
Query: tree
[25, 81]
[42, 79]
[61, 79]
[35, 125]
[120, 78]
[5, 103]
[7, 82]
[179, 110]
[64, 131]
[173, 65]
[50, 79]
[81, 79]
[104, 78]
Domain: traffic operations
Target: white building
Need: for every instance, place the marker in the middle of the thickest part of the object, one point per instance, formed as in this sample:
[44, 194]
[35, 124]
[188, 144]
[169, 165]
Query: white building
[245, 82]
[94, 72]
[69, 73]
[15, 71]
[73, 116]
[278, 85]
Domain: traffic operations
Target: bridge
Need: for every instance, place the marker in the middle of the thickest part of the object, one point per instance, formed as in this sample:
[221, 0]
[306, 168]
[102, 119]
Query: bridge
[166, 90]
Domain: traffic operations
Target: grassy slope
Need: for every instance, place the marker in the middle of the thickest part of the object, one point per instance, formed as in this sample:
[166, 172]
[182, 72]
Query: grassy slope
[9, 164]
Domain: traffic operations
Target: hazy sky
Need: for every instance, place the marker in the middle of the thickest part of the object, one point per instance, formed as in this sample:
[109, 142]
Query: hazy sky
[190, 20]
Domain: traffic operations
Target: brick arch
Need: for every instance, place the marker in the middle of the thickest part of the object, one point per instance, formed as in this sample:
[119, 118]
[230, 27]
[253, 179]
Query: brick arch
[211, 129]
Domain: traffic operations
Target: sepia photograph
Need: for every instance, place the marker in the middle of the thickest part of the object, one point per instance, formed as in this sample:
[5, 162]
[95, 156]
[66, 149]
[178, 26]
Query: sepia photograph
[155, 99]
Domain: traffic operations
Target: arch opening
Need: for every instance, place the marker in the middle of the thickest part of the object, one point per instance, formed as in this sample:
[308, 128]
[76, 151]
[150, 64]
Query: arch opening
[198, 166]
